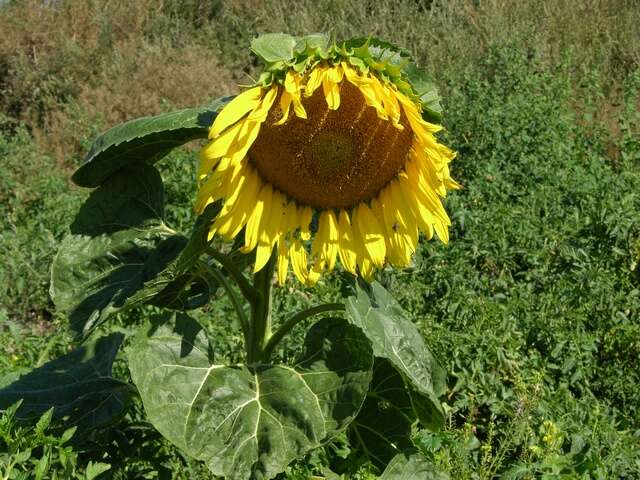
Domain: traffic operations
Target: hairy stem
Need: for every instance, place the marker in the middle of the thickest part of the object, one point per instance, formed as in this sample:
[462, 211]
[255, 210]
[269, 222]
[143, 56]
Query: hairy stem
[261, 311]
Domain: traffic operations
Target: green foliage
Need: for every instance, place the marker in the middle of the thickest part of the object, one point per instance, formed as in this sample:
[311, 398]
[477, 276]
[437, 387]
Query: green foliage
[395, 339]
[77, 387]
[533, 306]
[37, 452]
[263, 416]
[408, 466]
[143, 140]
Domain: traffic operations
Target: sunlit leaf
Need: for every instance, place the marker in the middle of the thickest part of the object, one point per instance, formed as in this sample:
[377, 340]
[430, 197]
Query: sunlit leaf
[412, 466]
[144, 140]
[396, 339]
[250, 421]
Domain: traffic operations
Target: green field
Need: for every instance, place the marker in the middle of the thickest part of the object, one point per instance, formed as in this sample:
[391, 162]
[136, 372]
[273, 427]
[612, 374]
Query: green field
[533, 307]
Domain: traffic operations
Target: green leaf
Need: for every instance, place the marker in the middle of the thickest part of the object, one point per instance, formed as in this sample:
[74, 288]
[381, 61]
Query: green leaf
[132, 198]
[121, 254]
[250, 421]
[410, 466]
[42, 467]
[66, 436]
[43, 423]
[395, 338]
[22, 456]
[382, 429]
[144, 140]
[94, 277]
[312, 44]
[95, 469]
[274, 47]
[78, 386]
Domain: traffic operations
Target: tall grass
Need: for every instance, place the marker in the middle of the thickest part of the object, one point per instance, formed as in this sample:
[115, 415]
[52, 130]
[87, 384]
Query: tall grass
[71, 68]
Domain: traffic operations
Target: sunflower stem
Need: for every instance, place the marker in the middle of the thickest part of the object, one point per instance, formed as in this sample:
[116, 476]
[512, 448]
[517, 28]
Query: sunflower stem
[286, 327]
[235, 301]
[260, 326]
[246, 288]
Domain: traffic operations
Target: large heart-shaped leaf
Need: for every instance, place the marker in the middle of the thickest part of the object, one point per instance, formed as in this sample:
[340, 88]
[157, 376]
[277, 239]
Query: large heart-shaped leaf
[78, 386]
[382, 429]
[93, 278]
[144, 140]
[132, 198]
[395, 338]
[250, 421]
[411, 466]
[121, 253]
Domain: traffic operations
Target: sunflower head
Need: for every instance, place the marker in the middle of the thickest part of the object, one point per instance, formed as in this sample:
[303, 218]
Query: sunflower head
[332, 154]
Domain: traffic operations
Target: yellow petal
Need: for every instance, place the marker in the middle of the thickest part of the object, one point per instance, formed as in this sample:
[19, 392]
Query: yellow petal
[391, 107]
[259, 114]
[244, 143]
[298, 256]
[305, 214]
[293, 86]
[230, 224]
[218, 148]
[285, 103]
[423, 216]
[315, 273]
[252, 231]
[205, 194]
[269, 227]
[372, 234]
[283, 261]
[325, 244]
[331, 79]
[314, 80]
[366, 88]
[346, 247]
[235, 110]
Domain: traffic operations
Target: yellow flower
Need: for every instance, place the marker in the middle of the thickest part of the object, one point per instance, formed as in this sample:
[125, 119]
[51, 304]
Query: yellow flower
[329, 162]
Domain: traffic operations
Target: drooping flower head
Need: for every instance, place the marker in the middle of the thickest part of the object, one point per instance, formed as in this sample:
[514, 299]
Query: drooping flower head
[331, 155]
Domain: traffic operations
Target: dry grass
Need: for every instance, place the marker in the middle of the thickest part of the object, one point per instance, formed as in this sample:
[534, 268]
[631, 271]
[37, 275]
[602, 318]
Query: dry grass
[71, 68]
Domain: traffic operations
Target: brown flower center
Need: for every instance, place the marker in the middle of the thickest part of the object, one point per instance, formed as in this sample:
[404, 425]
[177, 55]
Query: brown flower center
[334, 158]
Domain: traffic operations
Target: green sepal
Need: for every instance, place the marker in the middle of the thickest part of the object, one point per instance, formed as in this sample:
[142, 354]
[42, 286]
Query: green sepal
[144, 140]
[274, 47]
[401, 69]
[249, 421]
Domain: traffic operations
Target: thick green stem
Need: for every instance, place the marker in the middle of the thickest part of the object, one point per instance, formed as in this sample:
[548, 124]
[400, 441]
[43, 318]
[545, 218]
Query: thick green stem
[261, 311]
[286, 327]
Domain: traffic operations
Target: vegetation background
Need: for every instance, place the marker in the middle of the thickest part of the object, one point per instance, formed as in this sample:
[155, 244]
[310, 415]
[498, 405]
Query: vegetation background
[534, 307]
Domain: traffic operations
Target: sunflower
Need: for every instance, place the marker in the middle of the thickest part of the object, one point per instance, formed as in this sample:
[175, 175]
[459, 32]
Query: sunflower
[329, 156]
